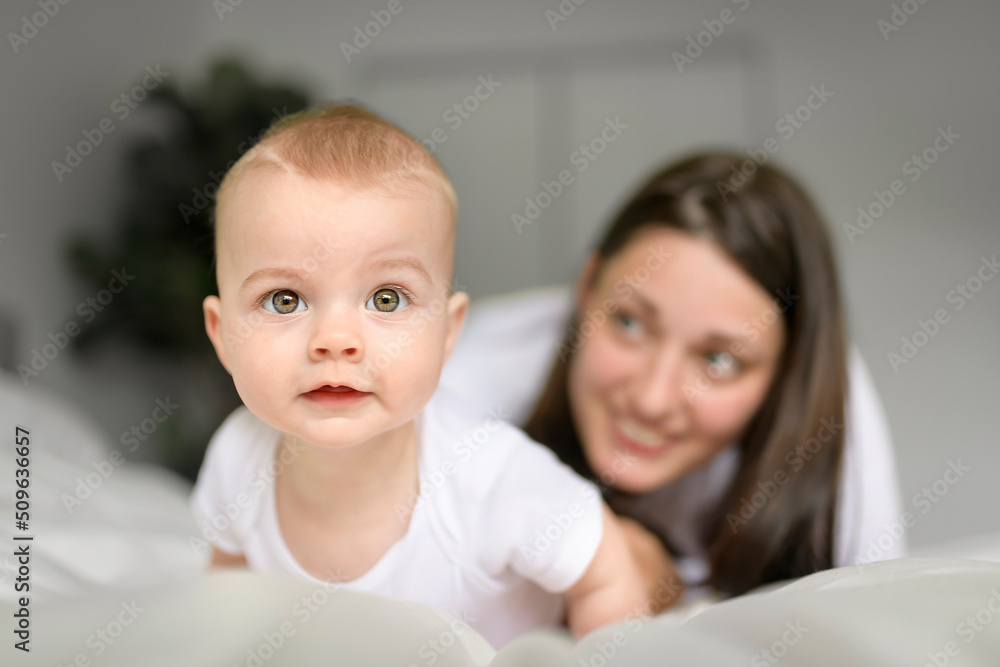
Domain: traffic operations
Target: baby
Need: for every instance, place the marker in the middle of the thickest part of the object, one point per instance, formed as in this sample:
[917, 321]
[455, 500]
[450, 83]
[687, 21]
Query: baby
[335, 240]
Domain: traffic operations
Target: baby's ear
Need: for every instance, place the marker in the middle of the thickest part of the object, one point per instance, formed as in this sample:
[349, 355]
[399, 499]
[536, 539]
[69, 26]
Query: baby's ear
[213, 326]
[458, 306]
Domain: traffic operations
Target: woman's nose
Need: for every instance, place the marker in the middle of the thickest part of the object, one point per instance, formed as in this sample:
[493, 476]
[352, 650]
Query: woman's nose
[659, 395]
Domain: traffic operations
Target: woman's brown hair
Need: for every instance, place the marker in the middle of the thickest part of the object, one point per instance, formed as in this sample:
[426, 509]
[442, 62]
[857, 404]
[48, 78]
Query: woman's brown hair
[769, 226]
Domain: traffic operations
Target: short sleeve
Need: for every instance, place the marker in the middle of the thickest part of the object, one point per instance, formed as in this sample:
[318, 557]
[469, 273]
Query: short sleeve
[543, 518]
[226, 495]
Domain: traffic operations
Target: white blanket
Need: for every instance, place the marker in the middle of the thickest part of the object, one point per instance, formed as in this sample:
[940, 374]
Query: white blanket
[115, 581]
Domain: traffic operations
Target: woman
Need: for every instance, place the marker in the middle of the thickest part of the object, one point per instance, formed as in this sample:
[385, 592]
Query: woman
[704, 381]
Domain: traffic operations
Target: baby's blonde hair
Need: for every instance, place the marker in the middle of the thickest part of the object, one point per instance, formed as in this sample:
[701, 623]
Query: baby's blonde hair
[350, 144]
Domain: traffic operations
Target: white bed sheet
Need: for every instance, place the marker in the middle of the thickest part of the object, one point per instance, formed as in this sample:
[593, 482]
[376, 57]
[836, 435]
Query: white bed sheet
[133, 538]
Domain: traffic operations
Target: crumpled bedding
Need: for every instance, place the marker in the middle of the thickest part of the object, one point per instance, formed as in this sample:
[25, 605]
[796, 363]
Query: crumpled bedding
[116, 579]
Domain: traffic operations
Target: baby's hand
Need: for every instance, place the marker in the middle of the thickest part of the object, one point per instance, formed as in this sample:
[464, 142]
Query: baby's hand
[613, 586]
[221, 560]
[663, 586]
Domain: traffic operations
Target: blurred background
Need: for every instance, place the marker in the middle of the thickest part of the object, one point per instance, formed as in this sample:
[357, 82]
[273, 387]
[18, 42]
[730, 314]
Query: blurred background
[120, 118]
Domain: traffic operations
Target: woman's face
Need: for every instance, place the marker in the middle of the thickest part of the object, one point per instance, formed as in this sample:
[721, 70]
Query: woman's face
[680, 351]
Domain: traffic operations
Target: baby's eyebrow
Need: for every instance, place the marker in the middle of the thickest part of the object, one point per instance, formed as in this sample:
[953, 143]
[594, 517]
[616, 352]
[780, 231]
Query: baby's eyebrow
[282, 273]
[403, 262]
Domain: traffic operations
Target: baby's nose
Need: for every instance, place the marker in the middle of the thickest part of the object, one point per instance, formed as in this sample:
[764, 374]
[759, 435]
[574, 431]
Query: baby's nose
[340, 338]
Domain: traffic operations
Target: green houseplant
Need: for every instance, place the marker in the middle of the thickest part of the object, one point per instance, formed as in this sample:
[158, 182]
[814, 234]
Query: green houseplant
[163, 230]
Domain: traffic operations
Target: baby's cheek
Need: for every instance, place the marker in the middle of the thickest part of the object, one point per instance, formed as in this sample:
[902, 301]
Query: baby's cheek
[257, 369]
[405, 357]
[251, 380]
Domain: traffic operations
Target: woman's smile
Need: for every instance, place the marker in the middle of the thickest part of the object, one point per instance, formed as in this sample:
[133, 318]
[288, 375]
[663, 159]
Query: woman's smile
[638, 439]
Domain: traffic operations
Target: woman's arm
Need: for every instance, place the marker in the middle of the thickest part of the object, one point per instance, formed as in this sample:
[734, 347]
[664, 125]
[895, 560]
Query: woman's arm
[506, 349]
[868, 504]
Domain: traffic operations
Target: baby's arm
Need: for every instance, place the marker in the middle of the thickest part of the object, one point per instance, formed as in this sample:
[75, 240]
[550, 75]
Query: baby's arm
[612, 586]
[663, 586]
[222, 559]
[222, 498]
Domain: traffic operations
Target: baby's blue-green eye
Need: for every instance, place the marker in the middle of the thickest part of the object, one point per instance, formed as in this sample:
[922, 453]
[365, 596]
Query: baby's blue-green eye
[721, 364]
[284, 302]
[387, 300]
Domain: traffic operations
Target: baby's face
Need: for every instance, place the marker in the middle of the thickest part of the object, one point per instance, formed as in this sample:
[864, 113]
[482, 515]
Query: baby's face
[334, 315]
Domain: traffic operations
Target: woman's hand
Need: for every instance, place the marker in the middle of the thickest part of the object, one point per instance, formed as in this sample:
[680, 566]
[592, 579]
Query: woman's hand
[663, 586]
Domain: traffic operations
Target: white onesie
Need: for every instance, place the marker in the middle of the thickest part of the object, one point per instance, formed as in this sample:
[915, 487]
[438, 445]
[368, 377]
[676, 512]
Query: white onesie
[501, 527]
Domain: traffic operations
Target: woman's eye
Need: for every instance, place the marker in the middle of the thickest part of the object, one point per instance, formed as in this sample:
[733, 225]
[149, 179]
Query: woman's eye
[284, 302]
[628, 324]
[387, 300]
[721, 364]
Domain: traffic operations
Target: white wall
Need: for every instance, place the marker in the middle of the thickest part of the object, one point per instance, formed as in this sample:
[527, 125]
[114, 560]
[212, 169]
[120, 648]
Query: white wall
[889, 98]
